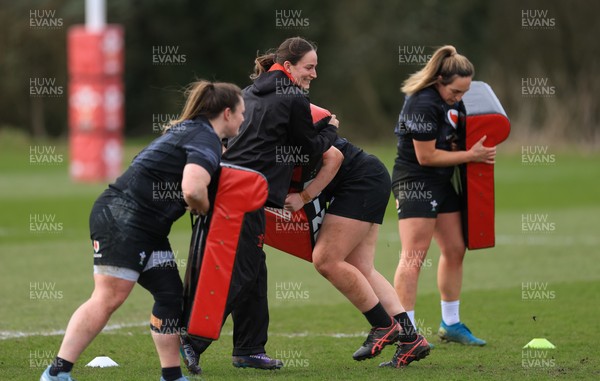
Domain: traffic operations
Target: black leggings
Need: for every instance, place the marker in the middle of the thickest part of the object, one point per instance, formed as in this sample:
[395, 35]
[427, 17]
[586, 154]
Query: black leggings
[165, 285]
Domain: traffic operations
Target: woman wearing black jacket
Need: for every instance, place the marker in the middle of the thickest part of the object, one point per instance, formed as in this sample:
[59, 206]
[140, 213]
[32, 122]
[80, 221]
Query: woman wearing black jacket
[276, 135]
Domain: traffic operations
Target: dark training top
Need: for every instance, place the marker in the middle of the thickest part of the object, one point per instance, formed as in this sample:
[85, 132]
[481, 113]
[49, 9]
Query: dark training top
[277, 133]
[425, 116]
[151, 186]
[350, 152]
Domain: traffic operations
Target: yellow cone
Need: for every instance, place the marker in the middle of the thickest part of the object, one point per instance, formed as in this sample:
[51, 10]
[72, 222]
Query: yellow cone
[539, 344]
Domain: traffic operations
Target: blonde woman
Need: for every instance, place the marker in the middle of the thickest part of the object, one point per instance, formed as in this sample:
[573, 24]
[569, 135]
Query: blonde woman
[430, 122]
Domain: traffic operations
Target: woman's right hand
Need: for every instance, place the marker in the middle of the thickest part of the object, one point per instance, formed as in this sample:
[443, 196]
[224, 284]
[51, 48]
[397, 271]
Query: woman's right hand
[482, 154]
[293, 202]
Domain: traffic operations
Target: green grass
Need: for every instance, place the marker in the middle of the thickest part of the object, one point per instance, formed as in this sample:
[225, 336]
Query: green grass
[306, 333]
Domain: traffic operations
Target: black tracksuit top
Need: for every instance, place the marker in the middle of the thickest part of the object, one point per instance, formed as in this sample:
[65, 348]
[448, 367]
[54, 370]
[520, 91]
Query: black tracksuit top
[277, 126]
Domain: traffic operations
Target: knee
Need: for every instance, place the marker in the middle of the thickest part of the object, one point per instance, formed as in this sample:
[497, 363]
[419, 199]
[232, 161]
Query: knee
[167, 290]
[108, 303]
[166, 317]
[323, 265]
[454, 254]
[366, 269]
[412, 260]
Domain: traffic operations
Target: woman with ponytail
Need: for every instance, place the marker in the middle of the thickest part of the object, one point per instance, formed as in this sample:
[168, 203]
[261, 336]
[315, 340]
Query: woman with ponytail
[431, 120]
[277, 134]
[130, 223]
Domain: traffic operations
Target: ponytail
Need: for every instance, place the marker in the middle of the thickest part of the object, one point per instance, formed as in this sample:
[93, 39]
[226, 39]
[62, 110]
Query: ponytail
[292, 50]
[445, 62]
[262, 64]
[208, 99]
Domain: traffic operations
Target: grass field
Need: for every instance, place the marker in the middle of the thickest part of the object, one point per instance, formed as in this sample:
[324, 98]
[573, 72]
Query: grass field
[550, 272]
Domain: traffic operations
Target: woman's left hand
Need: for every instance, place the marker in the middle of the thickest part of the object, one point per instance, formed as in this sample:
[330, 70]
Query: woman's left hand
[293, 202]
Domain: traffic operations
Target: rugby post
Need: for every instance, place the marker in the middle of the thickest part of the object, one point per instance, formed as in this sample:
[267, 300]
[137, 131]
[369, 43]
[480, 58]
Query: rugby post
[95, 59]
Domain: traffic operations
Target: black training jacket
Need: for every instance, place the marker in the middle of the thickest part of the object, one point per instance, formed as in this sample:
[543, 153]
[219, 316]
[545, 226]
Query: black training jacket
[277, 133]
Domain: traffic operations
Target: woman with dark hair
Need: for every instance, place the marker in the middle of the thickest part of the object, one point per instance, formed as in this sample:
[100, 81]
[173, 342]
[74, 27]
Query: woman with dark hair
[430, 123]
[277, 134]
[130, 223]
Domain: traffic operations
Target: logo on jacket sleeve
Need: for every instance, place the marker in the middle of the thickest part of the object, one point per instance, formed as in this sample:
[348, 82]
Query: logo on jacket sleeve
[261, 240]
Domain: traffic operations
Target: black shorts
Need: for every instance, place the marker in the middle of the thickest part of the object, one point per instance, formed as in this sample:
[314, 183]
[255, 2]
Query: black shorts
[424, 198]
[118, 242]
[362, 191]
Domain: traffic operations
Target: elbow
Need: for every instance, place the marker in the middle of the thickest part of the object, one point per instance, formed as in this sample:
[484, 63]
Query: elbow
[424, 160]
[188, 197]
[338, 158]
[333, 158]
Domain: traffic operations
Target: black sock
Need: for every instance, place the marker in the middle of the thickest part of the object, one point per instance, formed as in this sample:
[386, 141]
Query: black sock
[60, 365]
[408, 334]
[171, 374]
[377, 316]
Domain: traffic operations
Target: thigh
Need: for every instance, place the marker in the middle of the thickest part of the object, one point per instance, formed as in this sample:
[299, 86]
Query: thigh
[448, 233]
[338, 236]
[416, 232]
[363, 255]
[111, 289]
